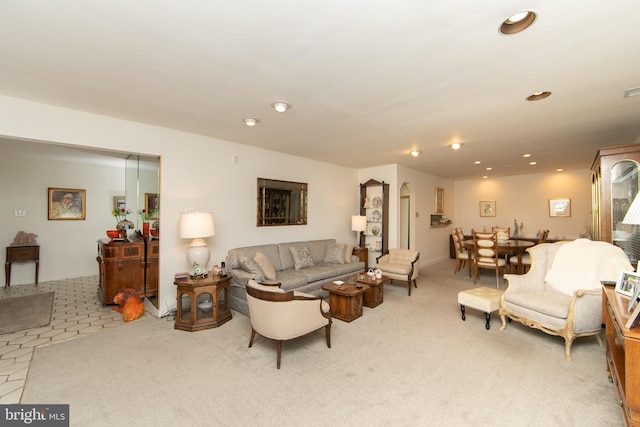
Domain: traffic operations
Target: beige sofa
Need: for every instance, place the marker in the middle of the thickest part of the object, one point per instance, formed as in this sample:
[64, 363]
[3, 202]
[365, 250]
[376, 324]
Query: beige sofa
[298, 266]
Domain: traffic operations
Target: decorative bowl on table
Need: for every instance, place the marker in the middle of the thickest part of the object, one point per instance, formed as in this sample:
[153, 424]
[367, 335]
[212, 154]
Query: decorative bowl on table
[113, 234]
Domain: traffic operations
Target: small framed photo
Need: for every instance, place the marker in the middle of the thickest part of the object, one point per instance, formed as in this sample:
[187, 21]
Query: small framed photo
[152, 204]
[119, 203]
[67, 204]
[627, 283]
[439, 200]
[633, 302]
[560, 208]
[487, 208]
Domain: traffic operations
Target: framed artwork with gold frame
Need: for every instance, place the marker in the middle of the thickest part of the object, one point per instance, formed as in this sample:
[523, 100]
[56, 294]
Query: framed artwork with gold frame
[67, 204]
[439, 200]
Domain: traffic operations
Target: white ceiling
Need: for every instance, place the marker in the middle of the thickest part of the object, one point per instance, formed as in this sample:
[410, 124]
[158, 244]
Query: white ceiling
[368, 80]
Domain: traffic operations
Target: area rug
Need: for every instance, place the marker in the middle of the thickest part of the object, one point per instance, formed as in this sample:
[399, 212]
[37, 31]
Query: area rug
[30, 311]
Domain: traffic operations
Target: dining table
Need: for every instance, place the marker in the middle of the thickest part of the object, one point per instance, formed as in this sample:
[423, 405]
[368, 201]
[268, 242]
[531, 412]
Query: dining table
[505, 247]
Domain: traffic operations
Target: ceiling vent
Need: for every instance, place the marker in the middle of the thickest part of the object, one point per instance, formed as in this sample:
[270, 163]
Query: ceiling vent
[632, 92]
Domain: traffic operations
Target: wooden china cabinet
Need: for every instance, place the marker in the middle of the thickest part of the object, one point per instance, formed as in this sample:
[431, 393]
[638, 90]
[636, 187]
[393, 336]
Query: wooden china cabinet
[614, 185]
[374, 204]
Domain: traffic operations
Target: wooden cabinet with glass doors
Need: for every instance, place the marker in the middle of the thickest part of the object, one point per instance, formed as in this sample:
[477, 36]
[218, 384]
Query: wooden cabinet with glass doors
[614, 186]
[374, 204]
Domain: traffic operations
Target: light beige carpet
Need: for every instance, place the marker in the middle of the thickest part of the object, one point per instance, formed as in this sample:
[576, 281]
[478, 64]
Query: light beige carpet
[411, 361]
[25, 312]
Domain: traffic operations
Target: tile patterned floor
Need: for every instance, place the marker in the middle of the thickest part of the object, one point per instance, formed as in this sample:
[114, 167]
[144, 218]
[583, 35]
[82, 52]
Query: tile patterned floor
[76, 312]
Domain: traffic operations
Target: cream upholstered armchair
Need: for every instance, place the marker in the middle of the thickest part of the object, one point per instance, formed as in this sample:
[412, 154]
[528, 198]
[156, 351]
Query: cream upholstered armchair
[284, 315]
[400, 264]
[561, 293]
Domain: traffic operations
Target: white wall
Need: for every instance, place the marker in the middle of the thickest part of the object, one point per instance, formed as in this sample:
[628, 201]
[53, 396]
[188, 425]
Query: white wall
[526, 198]
[67, 248]
[196, 172]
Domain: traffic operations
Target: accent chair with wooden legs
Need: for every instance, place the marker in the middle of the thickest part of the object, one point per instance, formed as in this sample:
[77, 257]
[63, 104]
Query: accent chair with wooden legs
[462, 255]
[285, 315]
[400, 264]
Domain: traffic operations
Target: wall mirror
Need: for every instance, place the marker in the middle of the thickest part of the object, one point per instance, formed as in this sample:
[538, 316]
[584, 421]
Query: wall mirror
[142, 179]
[281, 202]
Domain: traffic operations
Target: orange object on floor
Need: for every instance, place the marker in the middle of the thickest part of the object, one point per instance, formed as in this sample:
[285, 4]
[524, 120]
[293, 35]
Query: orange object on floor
[129, 304]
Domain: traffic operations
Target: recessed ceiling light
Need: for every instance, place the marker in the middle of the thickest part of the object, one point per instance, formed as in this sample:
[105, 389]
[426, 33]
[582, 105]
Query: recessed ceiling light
[532, 163]
[538, 96]
[415, 153]
[456, 145]
[485, 177]
[489, 169]
[559, 170]
[477, 162]
[281, 106]
[518, 22]
[250, 121]
[526, 155]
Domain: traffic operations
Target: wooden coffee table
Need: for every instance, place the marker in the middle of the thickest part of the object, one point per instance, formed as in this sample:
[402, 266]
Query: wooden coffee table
[375, 295]
[345, 300]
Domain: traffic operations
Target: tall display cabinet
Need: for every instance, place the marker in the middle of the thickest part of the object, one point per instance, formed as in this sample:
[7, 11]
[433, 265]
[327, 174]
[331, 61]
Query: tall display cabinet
[374, 204]
[614, 186]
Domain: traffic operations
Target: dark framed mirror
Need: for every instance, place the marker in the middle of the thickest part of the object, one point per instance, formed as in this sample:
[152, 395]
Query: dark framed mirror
[281, 202]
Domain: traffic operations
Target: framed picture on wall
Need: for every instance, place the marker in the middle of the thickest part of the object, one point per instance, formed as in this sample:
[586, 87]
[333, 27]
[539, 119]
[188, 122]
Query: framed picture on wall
[439, 200]
[119, 203]
[487, 208]
[67, 204]
[560, 208]
[152, 204]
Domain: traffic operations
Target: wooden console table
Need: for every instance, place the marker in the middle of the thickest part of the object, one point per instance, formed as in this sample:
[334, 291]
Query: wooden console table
[622, 354]
[18, 253]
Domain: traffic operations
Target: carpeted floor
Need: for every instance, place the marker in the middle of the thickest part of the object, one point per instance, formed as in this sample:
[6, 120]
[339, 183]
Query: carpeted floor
[410, 361]
[25, 312]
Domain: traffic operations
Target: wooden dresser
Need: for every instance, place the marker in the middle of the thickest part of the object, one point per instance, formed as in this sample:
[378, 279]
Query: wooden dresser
[623, 354]
[122, 265]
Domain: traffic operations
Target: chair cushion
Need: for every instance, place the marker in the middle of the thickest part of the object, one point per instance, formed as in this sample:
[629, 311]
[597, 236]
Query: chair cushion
[301, 257]
[402, 256]
[390, 267]
[335, 253]
[265, 265]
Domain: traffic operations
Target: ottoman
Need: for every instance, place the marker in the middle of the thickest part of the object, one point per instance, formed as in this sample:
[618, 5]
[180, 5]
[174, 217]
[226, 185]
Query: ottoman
[485, 299]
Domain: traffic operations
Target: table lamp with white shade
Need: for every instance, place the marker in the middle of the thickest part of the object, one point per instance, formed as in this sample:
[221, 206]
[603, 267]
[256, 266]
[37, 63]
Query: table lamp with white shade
[359, 225]
[633, 215]
[197, 226]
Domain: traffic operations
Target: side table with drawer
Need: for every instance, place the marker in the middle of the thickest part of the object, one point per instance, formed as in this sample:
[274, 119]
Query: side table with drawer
[21, 253]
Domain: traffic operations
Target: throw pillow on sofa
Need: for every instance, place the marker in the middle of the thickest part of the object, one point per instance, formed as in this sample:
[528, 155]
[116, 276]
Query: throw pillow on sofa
[301, 257]
[348, 253]
[265, 265]
[252, 267]
[335, 253]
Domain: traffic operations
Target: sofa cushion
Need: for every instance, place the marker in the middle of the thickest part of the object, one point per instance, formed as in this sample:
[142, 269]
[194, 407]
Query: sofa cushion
[348, 253]
[252, 267]
[550, 302]
[301, 257]
[335, 253]
[265, 265]
[270, 251]
[292, 279]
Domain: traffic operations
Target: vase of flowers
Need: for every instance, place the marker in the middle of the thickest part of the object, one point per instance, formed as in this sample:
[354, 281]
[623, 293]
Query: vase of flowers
[122, 223]
[146, 216]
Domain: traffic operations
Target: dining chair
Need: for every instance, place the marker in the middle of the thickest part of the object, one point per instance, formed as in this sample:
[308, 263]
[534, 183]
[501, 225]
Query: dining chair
[503, 232]
[486, 254]
[462, 255]
[526, 257]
